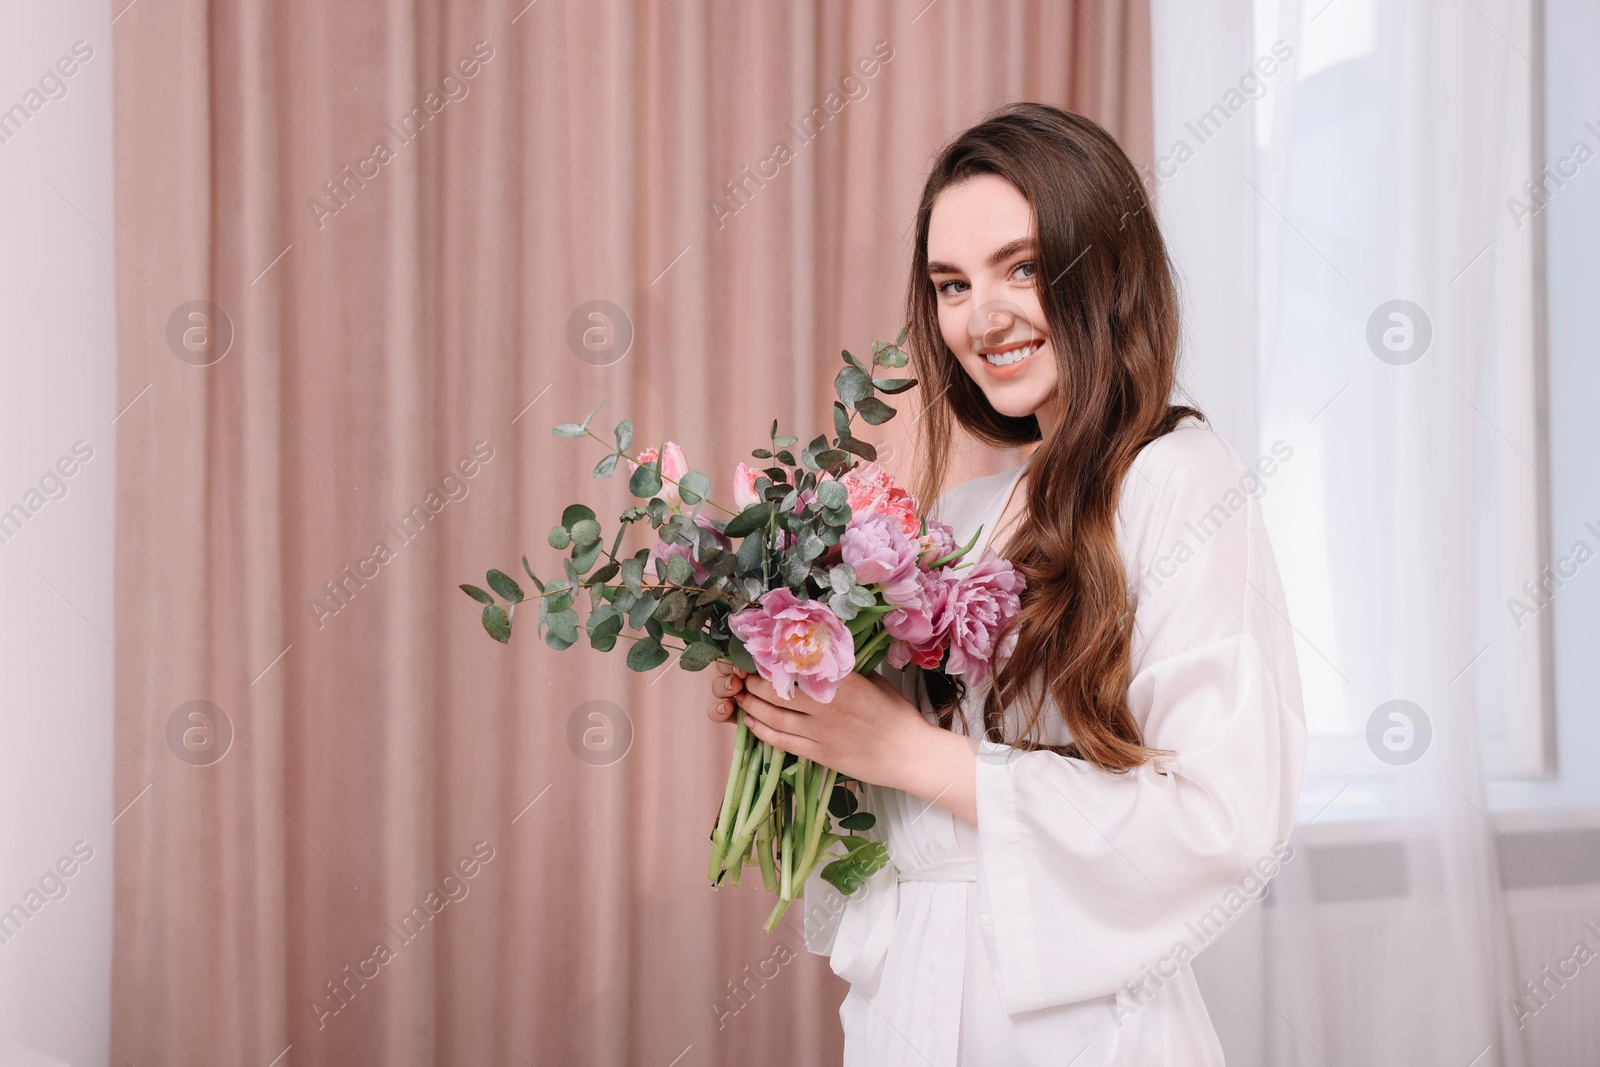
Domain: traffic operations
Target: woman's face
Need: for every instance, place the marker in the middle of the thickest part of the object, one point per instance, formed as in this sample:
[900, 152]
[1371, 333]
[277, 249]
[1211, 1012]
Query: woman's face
[983, 263]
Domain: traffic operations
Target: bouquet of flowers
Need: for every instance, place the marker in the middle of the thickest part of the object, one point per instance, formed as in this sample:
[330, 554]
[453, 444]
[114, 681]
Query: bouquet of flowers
[820, 567]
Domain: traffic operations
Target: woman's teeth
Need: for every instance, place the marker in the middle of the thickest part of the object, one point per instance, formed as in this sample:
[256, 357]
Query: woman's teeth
[1005, 359]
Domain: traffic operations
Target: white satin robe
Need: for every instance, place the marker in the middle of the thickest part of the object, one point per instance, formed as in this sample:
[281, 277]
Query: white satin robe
[1053, 932]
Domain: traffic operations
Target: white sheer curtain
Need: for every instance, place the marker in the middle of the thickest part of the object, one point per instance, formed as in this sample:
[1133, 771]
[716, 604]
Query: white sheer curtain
[1324, 160]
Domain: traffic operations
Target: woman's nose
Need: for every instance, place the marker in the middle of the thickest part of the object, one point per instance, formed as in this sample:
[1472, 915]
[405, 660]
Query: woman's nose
[992, 322]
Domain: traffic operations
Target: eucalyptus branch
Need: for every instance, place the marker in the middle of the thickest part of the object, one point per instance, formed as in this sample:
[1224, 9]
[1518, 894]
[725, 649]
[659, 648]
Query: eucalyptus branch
[615, 451]
[636, 637]
[610, 585]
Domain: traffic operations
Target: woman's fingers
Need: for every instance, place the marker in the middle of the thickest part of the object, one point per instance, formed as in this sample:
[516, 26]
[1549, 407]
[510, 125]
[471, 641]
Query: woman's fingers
[778, 718]
[767, 723]
[727, 683]
[721, 711]
[727, 680]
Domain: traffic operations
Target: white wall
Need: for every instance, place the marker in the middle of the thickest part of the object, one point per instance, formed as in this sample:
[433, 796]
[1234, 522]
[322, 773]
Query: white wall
[57, 387]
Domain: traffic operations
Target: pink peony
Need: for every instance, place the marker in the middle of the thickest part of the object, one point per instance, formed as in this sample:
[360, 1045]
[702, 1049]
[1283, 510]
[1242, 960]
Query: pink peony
[982, 602]
[794, 640]
[915, 626]
[665, 550]
[674, 465]
[744, 486]
[882, 555]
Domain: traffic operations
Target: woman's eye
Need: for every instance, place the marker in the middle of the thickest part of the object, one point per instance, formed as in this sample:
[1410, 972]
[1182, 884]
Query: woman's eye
[1025, 270]
[949, 288]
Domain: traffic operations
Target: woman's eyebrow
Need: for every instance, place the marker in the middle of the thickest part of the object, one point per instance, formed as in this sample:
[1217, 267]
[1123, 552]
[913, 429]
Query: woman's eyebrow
[998, 256]
[1009, 249]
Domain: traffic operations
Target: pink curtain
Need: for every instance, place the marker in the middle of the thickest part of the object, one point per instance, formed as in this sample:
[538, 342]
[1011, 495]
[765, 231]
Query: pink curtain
[343, 361]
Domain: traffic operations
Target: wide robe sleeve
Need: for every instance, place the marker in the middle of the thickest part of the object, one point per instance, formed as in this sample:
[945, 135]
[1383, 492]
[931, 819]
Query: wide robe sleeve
[1086, 877]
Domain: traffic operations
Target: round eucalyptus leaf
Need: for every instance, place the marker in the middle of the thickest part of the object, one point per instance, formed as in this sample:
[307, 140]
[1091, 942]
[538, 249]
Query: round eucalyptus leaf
[645, 482]
[574, 514]
[646, 655]
[502, 583]
[694, 487]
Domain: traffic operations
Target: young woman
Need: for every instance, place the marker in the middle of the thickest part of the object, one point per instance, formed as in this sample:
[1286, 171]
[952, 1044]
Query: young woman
[1067, 834]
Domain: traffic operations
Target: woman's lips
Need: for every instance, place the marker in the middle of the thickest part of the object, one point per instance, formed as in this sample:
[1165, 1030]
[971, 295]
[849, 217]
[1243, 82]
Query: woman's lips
[1015, 365]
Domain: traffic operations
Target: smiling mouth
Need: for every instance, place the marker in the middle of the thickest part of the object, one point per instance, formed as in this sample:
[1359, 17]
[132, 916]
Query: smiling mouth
[1007, 354]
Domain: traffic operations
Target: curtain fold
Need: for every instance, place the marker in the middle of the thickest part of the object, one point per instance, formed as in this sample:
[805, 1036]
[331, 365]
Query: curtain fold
[391, 221]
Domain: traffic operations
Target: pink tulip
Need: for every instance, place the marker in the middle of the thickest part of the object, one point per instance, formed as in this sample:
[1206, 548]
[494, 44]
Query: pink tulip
[674, 465]
[744, 486]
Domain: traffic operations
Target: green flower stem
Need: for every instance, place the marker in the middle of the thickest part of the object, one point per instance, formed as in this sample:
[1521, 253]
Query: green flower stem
[798, 793]
[731, 858]
[814, 837]
[786, 849]
[959, 552]
[761, 752]
[777, 914]
[875, 643]
[752, 815]
[720, 835]
[782, 820]
[876, 661]
[769, 875]
[786, 887]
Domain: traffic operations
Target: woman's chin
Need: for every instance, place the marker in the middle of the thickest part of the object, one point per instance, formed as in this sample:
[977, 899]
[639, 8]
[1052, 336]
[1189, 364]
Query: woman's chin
[1017, 400]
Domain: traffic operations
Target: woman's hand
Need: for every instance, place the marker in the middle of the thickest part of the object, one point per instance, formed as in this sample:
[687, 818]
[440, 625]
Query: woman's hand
[868, 731]
[727, 683]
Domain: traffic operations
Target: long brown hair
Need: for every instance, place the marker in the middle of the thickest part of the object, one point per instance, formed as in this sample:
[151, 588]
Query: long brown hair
[1106, 289]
